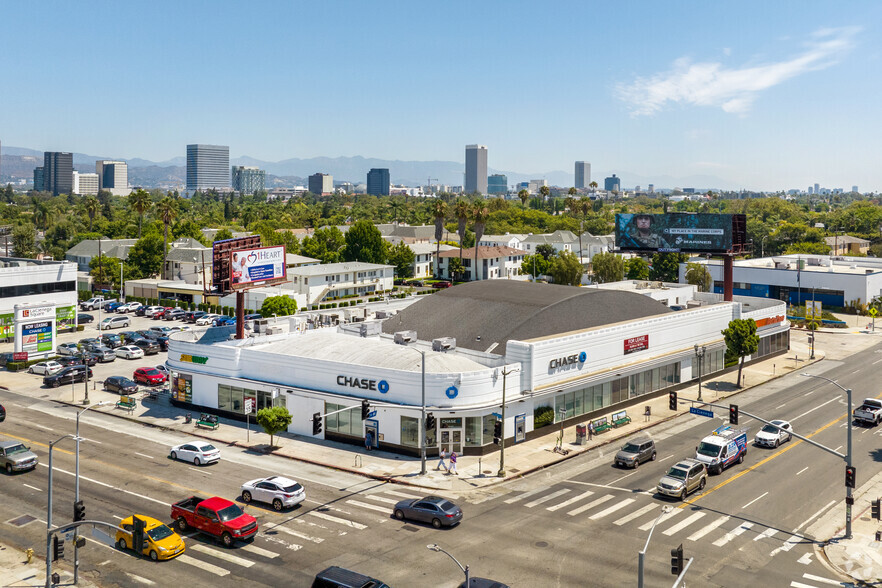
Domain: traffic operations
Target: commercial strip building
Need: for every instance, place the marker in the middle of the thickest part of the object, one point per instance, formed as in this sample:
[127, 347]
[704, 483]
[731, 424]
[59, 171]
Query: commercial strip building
[555, 353]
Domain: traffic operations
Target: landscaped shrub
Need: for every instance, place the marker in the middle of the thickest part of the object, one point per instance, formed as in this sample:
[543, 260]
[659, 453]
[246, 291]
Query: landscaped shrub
[543, 416]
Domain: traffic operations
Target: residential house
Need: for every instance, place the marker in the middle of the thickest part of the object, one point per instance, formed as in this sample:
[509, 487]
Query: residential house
[513, 240]
[493, 263]
[424, 258]
[189, 264]
[847, 245]
[559, 240]
[333, 280]
[293, 260]
[83, 252]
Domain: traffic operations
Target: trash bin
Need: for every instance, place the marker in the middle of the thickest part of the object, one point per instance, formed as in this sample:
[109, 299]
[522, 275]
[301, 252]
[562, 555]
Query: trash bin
[581, 434]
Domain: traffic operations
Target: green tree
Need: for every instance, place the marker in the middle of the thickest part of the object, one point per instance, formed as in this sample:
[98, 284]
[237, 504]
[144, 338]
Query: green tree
[92, 206]
[524, 195]
[278, 305]
[455, 269]
[140, 202]
[364, 243]
[146, 255]
[24, 241]
[546, 250]
[808, 248]
[462, 212]
[273, 420]
[565, 269]
[325, 244]
[479, 215]
[666, 266]
[224, 233]
[439, 213]
[698, 275]
[636, 268]
[741, 341]
[607, 267]
[534, 265]
[402, 257]
[544, 191]
[105, 271]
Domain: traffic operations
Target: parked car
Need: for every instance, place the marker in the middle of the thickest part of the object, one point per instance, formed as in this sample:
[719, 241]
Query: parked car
[87, 358]
[227, 322]
[105, 354]
[176, 315]
[219, 321]
[67, 349]
[431, 509]
[206, 319]
[442, 284]
[2, 413]
[149, 310]
[160, 542]
[147, 346]
[337, 577]
[129, 352]
[111, 340]
[15, 457]
[141, 310]
[45, 368]
[83, 319]
[129, 336]
[128, 307]
[276, 490]
[89, 341]
[683, 478]
[114, 322]
[163, 342]
[193, 315]
[253, 316]
[198, 452]
[162, 368]
[635, 452]
[112, 306]
[775, 434]
[151, 376]
[159, 314]
[120, 385]
[74, 373]
[161, 330]
[415, 283]
[218, 517]
[482, 583]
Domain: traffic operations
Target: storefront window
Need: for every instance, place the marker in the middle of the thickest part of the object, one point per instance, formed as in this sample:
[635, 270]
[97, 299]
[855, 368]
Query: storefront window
[223, 398]
[264, 399]
[473, 430]
[238, 399]
[410, 431]
[280, 400]
[182, 387]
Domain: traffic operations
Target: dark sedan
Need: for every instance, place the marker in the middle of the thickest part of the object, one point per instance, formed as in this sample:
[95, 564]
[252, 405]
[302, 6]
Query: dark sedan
[120, 385]
[74, 373]
[147, 346]
[82, 319]
[431, 509]
[141, 310]
[88, 359]
[175, 315]
[163, 342]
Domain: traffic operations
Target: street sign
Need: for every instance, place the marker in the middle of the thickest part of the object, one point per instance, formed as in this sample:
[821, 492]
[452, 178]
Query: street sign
[872, 312]
[249, 405]
[702, 412]
[372, 414]
[496, 414]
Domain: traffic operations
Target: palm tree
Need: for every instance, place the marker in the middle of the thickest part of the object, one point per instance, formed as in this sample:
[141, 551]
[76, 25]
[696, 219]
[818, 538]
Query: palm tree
[462, 212]
[479, 214]
[593, 186]
[544, 191]
[524, 195]
[572, 191]
[140, 202]
[92, 207]
[439, 212]
[168, 211]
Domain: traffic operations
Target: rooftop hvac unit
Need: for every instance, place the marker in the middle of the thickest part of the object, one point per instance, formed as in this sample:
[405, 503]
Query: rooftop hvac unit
[370, 329]
[444, 344]
[405, 337]
[260, 325]
[273, 330]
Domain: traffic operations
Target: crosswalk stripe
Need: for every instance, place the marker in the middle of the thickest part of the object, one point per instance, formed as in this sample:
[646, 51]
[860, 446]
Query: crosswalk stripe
[203, 565]
[637, 513]
[801, 585]
[572, 500]
[251, 548]
[239, 561]
[821, 580]
[789, 544]
[707, 528]
[294, 533]
[401, 494]
[520, 497]
[381, 498]
[683, 524]
[665, 517]
[732, 534]
[767, 533]
[539, 501]
[384, 509]
[590, 505]
[334, 519]
[612, 509]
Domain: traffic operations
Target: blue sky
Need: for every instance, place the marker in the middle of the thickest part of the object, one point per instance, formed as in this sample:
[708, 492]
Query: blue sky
[765, 95]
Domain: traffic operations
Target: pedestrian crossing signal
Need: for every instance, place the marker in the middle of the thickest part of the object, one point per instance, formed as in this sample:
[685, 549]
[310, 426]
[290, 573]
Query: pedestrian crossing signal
[677, 560]
[672, 401]
[876, 513]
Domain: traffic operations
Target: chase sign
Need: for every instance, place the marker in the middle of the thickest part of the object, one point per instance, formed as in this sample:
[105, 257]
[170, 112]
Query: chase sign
[577, 359]
[363, 383]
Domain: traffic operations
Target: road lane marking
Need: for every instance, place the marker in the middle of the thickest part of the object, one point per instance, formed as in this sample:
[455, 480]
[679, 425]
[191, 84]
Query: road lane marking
[93, 441]
[635, 514]
[617, 480]
[142, 455]
[877, 361]
[203, 565]
[32, 487]
[665, 517]
[140, 580]
[767, 533]
[838, 448]
[611, 509]
[606, 486]
[806, 560]
[791, 542]
[43, 427]
[802, 470]
[668, 457]
[796, 584]
[525, 495]
[334, 519]
[834, 399]
[401, 494]
[106, 485]
[546, 498]
[228, 557]
[117, 518]
[590, 505]
[381, 498]
[780, 406]
[370, 506]
[822, 580]
[201, 471]
[817, 514]
[683, 524]
[572, 500]
[293, 533]
[708, 528]
[732, 534]
[251, 548]
[754, 500]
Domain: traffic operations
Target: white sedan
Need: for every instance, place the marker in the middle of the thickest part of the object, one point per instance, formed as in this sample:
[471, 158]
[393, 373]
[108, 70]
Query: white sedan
[151, 309]
[206, 319]
[276, 490]
[129, 352]
[45, 368]
[772, 435]
[198, 452]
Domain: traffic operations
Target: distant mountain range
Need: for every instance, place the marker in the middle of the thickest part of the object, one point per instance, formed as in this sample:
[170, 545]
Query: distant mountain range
[19, 162]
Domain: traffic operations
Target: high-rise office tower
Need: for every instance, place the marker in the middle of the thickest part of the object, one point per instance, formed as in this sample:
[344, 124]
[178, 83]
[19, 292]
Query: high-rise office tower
[817, 188]
[57, 172]
[208, 167]
[321, 184]
[113, 176]
[583, 174]
[38, 179]
[612, 184]
[248, 180]
[83, 184]
[497, 184]
[476, 169]
[378, 183]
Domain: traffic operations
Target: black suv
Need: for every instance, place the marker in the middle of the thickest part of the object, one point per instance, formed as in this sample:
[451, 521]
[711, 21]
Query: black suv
[337, 577]
[149, 347]
[74, 373]
[193, 316]
[111, 340]
[87, 358]
[175, 315]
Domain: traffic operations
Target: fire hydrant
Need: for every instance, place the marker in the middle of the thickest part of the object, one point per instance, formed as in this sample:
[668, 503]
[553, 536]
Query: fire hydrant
[30, 554]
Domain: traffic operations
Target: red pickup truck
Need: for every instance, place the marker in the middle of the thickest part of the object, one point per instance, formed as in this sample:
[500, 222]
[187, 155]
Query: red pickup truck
[214, 516]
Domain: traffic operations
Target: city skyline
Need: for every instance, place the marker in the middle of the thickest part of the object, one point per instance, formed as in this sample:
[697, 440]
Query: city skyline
[759, 95]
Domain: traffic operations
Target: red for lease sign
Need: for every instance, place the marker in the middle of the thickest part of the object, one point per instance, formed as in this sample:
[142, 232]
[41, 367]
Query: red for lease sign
[636, 344]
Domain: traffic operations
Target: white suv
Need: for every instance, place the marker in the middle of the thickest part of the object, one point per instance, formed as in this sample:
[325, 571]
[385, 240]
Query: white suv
[130, 307]
[113, 322]
[276, 490]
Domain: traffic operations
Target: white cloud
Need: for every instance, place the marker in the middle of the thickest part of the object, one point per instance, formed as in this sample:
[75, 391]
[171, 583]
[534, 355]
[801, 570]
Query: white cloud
[731, 89]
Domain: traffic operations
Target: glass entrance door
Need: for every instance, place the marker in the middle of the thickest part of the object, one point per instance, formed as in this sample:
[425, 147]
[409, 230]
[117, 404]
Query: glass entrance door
[451, 440]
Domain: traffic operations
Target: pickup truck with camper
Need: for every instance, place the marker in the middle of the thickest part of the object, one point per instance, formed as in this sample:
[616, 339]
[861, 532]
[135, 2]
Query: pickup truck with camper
[722, 448]
[218, 517]
[95, 303]
[870, 412]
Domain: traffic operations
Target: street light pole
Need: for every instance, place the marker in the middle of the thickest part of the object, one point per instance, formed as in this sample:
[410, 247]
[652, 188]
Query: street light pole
[641, 555]
[77, 484]
[49, 516]
[465, 570]
[501, 472]
[699, 353]
[422, 428]
[848, 453]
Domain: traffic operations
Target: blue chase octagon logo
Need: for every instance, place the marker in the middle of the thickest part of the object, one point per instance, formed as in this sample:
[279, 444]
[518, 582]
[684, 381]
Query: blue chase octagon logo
[383, 386]
[582, 357]
[452, 392]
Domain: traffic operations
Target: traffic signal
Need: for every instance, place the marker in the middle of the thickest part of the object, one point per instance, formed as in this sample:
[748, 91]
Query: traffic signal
[677, 560]
[672, 401]
[317, 423]
[497, 432]
[850, 474]
[733, 414]
[430, 421]
[57, 548]
[365, 409]
[79, 511]
[876, 512]
[138, 534]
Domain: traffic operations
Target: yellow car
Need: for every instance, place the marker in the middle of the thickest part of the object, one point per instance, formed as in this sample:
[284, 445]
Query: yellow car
[160, 542]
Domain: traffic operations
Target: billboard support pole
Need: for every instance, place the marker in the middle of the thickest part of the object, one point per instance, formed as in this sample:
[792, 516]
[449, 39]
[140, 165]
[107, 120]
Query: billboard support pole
[240, 314]
[727, 277]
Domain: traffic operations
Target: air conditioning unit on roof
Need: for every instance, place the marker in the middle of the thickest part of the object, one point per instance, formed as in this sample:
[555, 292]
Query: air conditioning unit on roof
[444, 344]
[405, 337]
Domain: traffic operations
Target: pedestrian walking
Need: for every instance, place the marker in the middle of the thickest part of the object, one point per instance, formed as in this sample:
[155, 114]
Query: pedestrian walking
[442, 455]
[369, 440]
[453, 463]
[590, 431]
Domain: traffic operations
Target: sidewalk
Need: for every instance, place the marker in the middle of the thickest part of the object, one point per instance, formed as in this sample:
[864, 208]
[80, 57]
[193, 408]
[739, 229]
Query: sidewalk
[16, 572]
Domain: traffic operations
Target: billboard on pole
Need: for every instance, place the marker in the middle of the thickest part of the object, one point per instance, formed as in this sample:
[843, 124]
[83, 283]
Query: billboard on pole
[262, 266]
[220, 261]
[686, 232]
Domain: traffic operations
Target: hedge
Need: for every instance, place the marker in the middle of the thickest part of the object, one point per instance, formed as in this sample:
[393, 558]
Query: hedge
[543, 416]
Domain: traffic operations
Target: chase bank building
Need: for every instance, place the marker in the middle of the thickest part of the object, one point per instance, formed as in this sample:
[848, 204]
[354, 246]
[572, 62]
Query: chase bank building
[555, 354]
